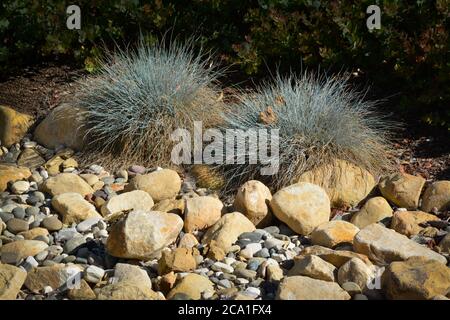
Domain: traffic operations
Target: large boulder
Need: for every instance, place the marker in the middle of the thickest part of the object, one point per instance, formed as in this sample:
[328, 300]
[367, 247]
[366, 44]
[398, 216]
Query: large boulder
[13, 126]
[73, 208]
[142, 235]
[415, 279]
[335, 257]
[252, 199]
[356, 271]
[160, 185]
[402, 189]
[64, 183]
[305, 288]
[436, 195]
[345, 183]
[374, 210]
[64, 125]
[11, 280]
[302, 206]
[384, 246]
[313, 267]
[332, 233]
[201, 213]
[410, 223]
[226, 231]
[53, 276]
[12, 173]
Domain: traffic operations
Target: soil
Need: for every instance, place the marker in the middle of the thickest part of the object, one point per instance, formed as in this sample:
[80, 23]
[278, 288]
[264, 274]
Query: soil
[420, 150]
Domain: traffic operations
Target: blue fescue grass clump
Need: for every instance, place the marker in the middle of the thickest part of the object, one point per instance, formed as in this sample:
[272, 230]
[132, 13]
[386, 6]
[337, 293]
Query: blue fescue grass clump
[138, 97]
[320, 119]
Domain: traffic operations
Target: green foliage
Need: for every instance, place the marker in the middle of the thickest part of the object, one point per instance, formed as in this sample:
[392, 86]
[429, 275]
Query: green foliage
[408, 58]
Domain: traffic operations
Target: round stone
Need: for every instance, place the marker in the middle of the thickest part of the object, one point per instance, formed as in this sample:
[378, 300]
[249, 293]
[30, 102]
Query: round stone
[52, 224]
[20, 187]
[5, 216]
[18, 213]
[32, 211]
[15, 225]
[263, 253]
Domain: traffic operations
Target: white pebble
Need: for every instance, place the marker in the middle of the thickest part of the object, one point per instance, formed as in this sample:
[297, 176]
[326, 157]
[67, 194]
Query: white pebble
[93, 274]
[220, 266]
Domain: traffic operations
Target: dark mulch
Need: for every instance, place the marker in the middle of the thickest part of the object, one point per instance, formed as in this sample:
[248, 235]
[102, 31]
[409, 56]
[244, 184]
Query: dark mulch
[420, 150]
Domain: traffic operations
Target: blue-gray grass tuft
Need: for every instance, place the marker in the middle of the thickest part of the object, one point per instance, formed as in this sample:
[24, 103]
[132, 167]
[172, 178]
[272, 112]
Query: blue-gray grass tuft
[320, 119]
[140, 96]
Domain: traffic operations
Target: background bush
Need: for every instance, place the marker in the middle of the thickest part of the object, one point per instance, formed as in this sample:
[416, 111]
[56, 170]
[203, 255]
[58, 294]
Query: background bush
[407, 60]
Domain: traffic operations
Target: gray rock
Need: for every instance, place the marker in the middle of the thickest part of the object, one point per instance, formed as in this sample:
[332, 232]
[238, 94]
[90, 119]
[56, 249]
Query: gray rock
[72, 244]
[18, 213]
[93, 274]
[263, 253]
[15, 225]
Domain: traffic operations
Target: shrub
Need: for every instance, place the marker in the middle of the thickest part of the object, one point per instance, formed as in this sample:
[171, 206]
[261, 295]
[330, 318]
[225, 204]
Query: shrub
[320, 119]
[138, 97]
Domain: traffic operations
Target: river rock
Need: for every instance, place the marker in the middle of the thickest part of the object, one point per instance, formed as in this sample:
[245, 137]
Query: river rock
[302, 206]
[66, 183]
[252, 200]
[142, 234]
[73, 208]
[305, 288]
[402, 189]
[384, 246]
[374, 210]
[30, 158]
[201, 213]
[332, 233]
[178, 260]
[160, 184]
[53, 276]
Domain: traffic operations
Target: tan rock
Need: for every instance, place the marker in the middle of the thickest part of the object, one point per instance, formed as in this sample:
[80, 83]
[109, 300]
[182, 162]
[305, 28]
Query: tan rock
[345, 183]
[188, 240]
[13, 125]
[201, 213]
[63, 126]
[384, 245]
[90, 178]
[12, 173]
[15, 251]
[53, 166]
[171, 205]
[64, 183]
[415, 279]
[402, 189]
[374, 210]
[30, 158]
[167, 282]
[127, 291]
[313, 267]
[69, 163]
[129, 273]
[305, 288]
[178, 260]
[408, 222]
[252, 200]
[33, 233]
[83, 292]
[302, 206]
[332, 233]
[54, 276]
[73, 208]
[355, 270]
[335, 257]
[11, 280]
[192, 285]
[133, 200]
[226, 231]
[160, 184]
[141, 235]
[436, 195]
